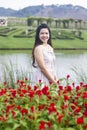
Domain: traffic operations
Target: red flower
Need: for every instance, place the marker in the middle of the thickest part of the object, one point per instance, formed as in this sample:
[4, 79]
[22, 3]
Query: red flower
[13, 92]
[58, 82]
[52, 108]
[40, 81]
[42, 125]
[18, 81]
[66, 97]
[85, 86]
[60, 87]
[45, 90]
[2, 118]
[21, 95]
[14, 114]
[78, 109]
[24, 111]
[79, 94]
[85, 127]
[9, 107]
[69, 88]
[5, 83]
[32, 109]
[60, 117]
[19, 108]
[31, 93]
[24, 91]
[35, 88]
[50, 82]
[29, 87]
[85, 113]
[80, 120]
[81, 83]
[77, 88]
[26, 78]
[2, 92]
[40, 107]
[22, 82]
[68, 76]
[49, 124]
[85, 95]
[73, 84]
[39, 92]
[85, 105]
[64, 106]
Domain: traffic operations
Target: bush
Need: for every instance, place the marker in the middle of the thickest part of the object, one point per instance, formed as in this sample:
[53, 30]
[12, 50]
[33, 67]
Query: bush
[26, 34]
[62, 35]
[53, 107]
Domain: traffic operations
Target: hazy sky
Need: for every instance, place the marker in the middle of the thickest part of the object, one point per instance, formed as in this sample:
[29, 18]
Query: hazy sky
[19, 4]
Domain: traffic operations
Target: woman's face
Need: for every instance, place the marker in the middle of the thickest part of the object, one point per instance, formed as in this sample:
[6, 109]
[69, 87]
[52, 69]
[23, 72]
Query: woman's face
[44, 35]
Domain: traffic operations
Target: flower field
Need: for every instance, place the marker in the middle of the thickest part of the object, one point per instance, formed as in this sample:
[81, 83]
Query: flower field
[49, 108]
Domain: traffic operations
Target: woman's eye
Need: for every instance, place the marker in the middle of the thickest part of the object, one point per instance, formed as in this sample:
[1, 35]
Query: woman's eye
[44, 33]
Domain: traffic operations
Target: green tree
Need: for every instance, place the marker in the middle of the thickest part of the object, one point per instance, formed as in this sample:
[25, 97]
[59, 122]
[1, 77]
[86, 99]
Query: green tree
[65, 23]
[49, 21]
[40, 20]
[30, 21]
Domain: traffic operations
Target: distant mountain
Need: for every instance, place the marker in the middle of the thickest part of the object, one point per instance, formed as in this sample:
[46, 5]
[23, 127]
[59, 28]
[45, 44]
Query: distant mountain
[55, 11]
[6, 12]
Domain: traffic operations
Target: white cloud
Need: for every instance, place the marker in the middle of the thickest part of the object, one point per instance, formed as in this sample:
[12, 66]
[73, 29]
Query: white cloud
[18, 4]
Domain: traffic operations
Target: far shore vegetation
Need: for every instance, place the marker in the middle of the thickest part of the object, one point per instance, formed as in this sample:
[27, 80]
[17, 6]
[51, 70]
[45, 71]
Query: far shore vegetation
[20, 36]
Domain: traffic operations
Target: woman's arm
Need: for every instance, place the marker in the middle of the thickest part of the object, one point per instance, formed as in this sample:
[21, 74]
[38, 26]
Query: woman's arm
[40, 60]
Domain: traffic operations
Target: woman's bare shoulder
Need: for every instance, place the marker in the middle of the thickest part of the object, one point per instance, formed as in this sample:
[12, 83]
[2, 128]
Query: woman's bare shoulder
[38, 49]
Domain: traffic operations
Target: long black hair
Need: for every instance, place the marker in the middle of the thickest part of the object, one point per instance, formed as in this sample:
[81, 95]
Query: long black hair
[38, 41]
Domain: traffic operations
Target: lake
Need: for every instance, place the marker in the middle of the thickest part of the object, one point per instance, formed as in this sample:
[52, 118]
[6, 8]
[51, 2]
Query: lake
[65, 62]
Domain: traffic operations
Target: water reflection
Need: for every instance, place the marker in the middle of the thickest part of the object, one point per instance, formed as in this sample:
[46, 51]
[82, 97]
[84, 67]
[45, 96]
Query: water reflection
[64, 63]
[18, 63]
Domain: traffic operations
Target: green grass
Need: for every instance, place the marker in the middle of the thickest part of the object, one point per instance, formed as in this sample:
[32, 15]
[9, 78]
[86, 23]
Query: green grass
[9, 41]
[70, 43]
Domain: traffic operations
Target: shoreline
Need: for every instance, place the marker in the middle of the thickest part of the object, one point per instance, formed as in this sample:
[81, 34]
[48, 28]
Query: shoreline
[54, 49]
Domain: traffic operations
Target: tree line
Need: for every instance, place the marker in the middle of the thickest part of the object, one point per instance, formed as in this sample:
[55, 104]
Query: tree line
[58, 23]
[52, 22]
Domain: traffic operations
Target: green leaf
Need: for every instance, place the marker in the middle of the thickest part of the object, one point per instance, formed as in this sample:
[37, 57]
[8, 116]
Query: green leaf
[52, 116]
[69, 128]
[55, 127]
[8, 128]
[23, 123]
[16, 126]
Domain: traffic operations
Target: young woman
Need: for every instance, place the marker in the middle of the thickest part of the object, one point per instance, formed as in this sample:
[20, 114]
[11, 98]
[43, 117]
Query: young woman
[44, 57]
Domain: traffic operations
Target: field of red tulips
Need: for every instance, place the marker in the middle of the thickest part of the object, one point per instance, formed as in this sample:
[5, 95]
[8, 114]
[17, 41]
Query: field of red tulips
[49, 108]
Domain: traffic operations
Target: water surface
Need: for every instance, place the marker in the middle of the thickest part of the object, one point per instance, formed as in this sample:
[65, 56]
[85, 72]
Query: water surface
[64, 62]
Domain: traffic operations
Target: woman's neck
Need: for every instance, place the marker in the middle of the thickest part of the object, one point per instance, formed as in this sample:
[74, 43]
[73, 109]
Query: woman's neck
[45, 44]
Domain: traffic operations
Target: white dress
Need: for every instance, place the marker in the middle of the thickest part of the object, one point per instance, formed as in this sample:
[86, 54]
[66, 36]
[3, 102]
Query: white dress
[49, 60]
